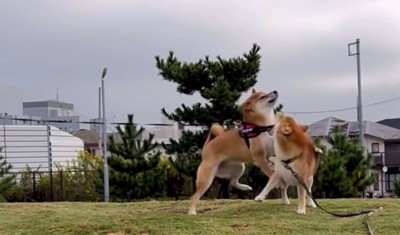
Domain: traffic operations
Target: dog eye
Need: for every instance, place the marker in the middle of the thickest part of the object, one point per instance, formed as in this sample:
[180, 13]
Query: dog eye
[263, 97]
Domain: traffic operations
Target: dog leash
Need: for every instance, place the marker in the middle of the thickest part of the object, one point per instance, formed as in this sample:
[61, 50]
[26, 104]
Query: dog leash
[367, 213]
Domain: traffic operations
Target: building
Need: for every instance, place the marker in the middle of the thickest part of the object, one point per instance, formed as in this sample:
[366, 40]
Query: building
[7, 119]
[41, 148]
[382, 141]
[90, 140]
[95, 124]
[162, 135]
[393, 122]
[59, 114]
[392, 153]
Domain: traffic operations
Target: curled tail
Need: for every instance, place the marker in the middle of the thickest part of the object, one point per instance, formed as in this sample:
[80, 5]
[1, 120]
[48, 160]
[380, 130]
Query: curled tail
[215, 130]
[318, 154]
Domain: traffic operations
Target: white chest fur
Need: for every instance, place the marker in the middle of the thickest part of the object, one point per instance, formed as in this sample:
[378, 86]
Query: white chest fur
[280, 170]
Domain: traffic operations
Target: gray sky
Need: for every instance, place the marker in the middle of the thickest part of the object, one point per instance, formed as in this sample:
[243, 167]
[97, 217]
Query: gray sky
[64, 45]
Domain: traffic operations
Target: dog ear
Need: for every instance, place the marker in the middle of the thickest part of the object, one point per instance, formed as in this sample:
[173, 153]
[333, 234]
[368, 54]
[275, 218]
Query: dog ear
[304, 127]
[253, 91]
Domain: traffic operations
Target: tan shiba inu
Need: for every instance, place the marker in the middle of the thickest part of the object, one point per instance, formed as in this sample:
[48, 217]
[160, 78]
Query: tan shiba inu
[224, 152]
[293, 143]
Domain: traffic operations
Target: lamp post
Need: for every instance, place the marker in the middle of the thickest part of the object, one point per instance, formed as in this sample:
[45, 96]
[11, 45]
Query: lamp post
[104, 137]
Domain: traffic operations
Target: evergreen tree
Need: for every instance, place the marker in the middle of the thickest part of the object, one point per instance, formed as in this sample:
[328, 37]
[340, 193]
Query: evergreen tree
[133, 165]
[397, 187]
[220, 83]
[7, 181]
[344, 168]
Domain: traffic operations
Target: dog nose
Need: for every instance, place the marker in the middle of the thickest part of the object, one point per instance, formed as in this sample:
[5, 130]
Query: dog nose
[275, 92]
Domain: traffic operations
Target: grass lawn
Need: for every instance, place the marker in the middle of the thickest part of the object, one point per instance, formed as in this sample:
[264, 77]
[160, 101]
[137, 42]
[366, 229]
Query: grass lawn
[215, 217]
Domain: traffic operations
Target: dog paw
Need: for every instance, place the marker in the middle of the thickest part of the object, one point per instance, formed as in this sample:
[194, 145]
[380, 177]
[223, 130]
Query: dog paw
[259, 198]
[192, 213]
[285, 201]
[312, 205]
[301, 212]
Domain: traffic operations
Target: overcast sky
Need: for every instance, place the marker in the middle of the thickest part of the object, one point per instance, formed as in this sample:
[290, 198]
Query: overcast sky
[64, 45]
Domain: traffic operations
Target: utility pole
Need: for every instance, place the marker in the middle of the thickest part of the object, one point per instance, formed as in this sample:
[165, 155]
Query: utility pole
[104, 129]
[359, 97]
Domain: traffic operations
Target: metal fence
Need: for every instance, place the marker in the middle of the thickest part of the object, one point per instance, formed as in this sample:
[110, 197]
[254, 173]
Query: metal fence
[35, 186]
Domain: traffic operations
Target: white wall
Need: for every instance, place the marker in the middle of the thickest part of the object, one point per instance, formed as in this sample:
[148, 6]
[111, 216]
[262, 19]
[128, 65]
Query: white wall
[368, 143]
[37, 146]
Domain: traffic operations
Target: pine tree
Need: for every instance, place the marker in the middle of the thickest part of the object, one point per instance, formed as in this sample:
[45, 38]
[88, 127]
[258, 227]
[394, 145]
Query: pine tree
[344, 168]
[397, 187]
[220, 83]
[133, 165]
[7, 181]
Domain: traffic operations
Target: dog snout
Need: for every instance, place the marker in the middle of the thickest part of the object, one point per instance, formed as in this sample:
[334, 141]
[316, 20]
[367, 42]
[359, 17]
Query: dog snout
[273, 94]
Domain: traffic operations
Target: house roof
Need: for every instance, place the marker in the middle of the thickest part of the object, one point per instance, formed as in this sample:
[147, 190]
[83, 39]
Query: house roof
[88, 137]
[92, 137]
[393, 122]
[325, 126]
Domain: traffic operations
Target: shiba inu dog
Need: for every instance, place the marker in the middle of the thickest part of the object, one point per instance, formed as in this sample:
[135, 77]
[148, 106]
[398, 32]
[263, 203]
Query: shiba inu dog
[224, 152]
[294, 145]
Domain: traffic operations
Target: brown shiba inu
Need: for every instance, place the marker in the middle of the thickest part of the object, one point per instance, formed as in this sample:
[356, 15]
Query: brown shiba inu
[292, 142]
[224, 152]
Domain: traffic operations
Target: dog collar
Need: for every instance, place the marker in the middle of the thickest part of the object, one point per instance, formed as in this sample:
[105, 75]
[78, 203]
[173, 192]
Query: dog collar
[250, 130]
[290, 160]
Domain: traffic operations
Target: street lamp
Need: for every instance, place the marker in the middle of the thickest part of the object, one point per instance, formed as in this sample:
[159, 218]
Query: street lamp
[104, 129]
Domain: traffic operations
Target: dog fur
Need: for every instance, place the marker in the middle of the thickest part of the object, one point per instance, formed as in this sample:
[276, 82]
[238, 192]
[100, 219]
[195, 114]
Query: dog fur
[225, 152]
[291, 140]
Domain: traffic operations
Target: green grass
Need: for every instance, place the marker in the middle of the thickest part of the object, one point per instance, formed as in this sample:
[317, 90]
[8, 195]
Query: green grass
[217, 217]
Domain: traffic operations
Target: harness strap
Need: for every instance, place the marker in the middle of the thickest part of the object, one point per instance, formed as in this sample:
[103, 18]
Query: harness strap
[248, 131]
[288, 161]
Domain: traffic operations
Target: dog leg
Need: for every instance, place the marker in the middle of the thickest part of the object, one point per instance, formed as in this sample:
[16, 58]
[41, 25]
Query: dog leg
[263, 164]
[284, 187]
[205, 176]
[235, 176]
[272, 183]
[301, 193]
[310, 202]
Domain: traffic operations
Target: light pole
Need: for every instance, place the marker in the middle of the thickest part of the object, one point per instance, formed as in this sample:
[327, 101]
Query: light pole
[104, 129]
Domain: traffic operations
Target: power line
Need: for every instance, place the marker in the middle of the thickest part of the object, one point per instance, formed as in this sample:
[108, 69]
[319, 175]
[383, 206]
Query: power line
[165, 124]
[345, 109]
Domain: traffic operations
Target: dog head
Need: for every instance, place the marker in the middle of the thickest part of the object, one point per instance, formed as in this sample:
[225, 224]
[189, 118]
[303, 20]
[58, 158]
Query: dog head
[287, 126]
[259, 108]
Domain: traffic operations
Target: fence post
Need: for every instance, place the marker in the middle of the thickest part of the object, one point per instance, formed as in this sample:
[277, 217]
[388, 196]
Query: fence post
[34, 186]
[61, 185]
[51, 186]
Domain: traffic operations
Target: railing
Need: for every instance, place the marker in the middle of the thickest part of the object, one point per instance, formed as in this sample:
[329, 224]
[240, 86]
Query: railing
[34, 186]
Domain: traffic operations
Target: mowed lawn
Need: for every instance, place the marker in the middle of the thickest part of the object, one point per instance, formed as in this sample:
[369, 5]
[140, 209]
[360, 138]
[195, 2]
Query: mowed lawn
[215, 217]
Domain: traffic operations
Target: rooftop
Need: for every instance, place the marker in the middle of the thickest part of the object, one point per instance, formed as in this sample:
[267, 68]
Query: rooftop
[325, 126]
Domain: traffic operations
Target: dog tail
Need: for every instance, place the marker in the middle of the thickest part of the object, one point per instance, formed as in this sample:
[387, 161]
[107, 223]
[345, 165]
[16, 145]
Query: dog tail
[318, 153]
[215, 130]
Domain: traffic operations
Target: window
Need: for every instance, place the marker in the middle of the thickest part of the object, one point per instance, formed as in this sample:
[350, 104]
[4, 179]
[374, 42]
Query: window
[390, 179]
[376, 183]
[375, 147]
